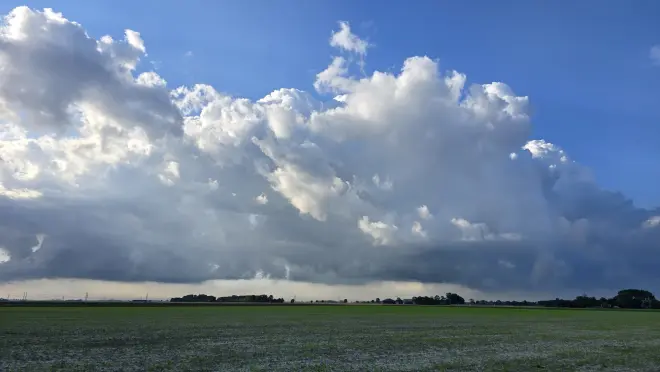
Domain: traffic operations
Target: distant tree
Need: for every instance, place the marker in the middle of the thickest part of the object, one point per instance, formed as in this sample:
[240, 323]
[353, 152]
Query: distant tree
[377, 300]
[655, 304]
[626, 298]
[250, 298]
[293, 300]
[454, 299]
[399, 301]
[425, 300]
[345, 301]
[194, 298]
[634, 298]
[585, 301]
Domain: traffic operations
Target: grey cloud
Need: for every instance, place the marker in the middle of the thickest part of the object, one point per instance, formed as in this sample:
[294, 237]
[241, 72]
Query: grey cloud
[165, 190]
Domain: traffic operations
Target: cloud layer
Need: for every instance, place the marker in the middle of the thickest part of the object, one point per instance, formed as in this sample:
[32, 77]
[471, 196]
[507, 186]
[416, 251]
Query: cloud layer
[413, 176]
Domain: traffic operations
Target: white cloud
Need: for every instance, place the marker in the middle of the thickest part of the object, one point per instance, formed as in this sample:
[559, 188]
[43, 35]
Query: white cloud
[92, 77]
[19, 193]
[382, 233]
[114, 176]
[470, 231]
[151, 79]
[333, 79]
[383, 185]
[418, 230]
[40, 242]
[348, 41]
[654, 55]
[652, 222]
[170, 173]
[423, 212]
[4, 255]
[135, 40]
[261, 199]
[480, 231]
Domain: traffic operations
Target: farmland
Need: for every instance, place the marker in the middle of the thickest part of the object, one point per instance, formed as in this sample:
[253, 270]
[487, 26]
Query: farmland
[325, 338]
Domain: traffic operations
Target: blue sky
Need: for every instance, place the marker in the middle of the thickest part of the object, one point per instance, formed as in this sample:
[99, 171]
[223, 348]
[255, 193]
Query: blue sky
[585, 65]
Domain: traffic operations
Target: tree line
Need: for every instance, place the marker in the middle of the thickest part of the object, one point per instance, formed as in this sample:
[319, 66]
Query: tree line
[234, 298]
[625, 298]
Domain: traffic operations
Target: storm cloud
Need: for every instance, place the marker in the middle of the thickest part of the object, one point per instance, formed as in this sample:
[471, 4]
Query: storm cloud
[410, 176]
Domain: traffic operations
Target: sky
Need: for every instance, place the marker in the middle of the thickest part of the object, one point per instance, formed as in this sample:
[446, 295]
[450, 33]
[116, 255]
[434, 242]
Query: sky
[328, 147]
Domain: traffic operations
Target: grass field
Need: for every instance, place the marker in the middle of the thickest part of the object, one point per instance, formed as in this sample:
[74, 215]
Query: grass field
[326, 338]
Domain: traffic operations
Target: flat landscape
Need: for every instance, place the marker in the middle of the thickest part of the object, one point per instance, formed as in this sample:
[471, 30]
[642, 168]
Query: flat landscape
[326, 338]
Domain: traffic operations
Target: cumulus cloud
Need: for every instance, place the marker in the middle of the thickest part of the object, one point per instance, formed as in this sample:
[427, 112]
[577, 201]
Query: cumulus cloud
[381, 232]
[56, 78]
[4, 255]
[423, 212]
[262, 199]
[346, 40]
[418, 229]
[411, 176]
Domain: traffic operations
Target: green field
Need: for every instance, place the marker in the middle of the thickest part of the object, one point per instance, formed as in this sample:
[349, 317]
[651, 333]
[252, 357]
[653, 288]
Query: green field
[324, 338]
